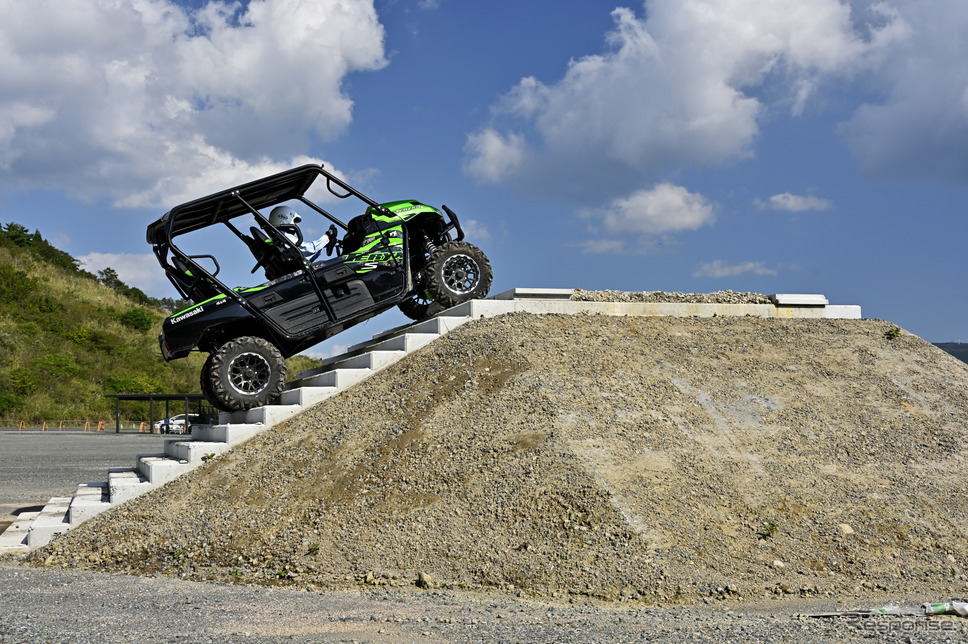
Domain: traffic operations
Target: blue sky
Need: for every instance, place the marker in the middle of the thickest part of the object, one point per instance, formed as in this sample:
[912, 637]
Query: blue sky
[783, 146]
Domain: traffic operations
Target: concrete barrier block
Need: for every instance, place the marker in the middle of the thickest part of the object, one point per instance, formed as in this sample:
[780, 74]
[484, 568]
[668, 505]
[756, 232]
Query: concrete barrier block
[842, 312]
[798, 299]
[51, 522]
[801, 312]
[535, 294]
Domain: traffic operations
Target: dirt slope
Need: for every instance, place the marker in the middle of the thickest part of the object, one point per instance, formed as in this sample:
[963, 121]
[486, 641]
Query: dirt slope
[613, 457]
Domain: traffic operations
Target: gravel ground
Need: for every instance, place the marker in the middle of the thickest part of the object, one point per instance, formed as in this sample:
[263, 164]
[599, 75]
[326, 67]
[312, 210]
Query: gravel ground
[60, 606]
[717, 297]
[606, 468]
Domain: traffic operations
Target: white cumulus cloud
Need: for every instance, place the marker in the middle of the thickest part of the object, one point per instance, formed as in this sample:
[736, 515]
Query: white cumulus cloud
[664, 208]
[645, 214]
[794, 203]
[144, 99]
[720, 268]
[915, 124]
[678, 88]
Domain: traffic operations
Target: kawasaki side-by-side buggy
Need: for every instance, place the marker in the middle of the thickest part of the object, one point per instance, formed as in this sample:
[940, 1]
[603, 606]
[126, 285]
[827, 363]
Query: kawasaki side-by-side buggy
[401, 253]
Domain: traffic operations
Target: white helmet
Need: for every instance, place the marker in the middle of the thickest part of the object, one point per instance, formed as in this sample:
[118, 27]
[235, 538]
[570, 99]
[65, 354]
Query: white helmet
[284, 216]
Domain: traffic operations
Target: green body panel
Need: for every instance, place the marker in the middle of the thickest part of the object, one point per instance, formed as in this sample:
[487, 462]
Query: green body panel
[238, 289]
[379, 249]
[404, 210]
[385, 247]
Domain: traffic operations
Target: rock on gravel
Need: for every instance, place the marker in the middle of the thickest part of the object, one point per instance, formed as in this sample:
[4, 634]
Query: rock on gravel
[624, 459]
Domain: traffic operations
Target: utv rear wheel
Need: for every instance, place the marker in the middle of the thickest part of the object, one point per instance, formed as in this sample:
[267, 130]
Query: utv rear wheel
[458, 272]
[246, 372]
[206, 384]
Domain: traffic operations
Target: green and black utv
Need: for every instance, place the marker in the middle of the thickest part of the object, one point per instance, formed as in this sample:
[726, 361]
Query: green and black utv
[400, 253]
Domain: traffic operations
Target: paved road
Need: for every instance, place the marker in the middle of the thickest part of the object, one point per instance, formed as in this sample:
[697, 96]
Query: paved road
[35, 465]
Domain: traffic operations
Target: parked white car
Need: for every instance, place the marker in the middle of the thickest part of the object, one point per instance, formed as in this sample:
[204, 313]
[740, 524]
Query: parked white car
[176, 424]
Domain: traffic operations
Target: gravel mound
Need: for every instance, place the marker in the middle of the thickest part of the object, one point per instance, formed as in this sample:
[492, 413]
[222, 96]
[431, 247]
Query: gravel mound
[654, 459]
[664, 297]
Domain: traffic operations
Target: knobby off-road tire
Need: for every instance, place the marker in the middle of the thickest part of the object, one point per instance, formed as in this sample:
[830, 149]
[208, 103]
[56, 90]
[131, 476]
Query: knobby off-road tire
[458, 272]
[418, 307]
[246, 372]
[205, 380]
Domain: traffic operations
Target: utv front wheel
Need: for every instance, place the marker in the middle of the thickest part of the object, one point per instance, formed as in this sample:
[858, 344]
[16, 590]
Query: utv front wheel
[246, 372]
[419, 307]
[458, 272]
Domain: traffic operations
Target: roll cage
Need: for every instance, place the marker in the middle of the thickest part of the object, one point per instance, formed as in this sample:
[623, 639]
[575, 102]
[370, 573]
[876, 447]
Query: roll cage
[196, 283]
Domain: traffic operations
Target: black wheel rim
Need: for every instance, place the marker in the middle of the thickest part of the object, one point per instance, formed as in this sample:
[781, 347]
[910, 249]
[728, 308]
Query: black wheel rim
[249, 373]
[461, 274]
[420, 298]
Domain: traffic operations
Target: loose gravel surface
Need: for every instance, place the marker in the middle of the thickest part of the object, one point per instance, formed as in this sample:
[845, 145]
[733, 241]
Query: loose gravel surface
[60, 606]
[717, 297]
[591, 470]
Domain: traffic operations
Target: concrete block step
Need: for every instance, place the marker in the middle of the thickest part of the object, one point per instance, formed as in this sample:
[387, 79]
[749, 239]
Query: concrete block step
[13, 541]
[372, 359]
[339, 378]
[404, 342]
[126, 483]
[158, 469]
[90, 499]
[476, 309]
[307, 396]
[267, 415]
[228, 433]
[194, 452]
[439, 325]
[51, 522]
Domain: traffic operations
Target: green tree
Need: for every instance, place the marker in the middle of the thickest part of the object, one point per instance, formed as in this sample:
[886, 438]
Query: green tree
[9, 402]
[109, 277]
[18, 234]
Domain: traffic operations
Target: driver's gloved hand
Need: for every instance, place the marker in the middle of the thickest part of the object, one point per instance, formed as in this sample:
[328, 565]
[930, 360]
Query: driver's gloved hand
[331, 244]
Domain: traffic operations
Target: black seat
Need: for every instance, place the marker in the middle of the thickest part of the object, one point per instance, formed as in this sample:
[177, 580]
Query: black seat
[357, 229]
[275, 260]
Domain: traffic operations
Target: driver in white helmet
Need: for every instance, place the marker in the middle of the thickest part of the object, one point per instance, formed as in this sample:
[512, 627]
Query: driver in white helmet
[286, 219]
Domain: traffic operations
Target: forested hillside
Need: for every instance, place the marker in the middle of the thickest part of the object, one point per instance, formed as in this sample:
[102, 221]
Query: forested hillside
[957, 349]
[69, 337]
